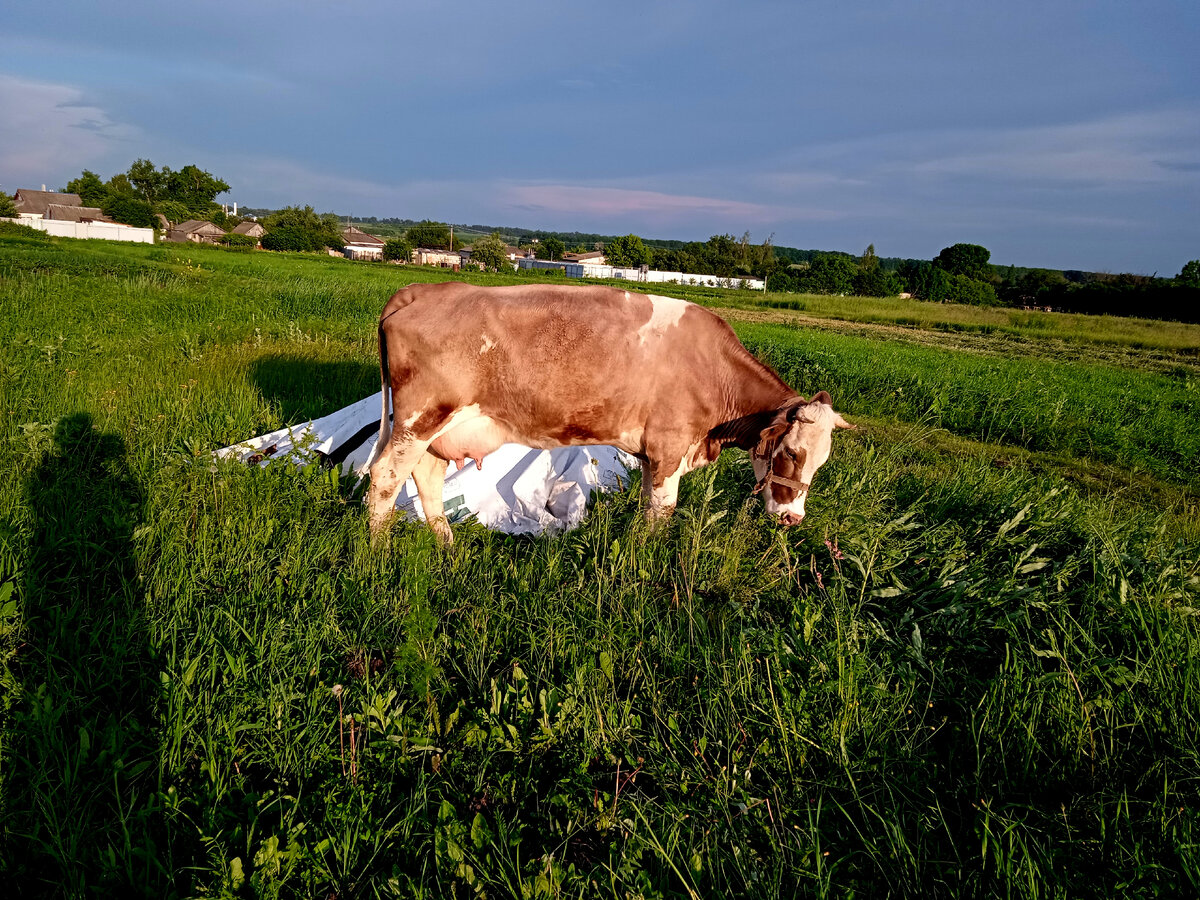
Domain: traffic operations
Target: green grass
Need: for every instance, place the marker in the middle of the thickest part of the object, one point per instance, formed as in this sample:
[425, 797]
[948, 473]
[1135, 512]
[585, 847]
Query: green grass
[972, 671]
[954, 318]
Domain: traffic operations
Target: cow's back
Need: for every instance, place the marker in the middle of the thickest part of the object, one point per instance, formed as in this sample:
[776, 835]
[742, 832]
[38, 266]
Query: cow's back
[546, 356]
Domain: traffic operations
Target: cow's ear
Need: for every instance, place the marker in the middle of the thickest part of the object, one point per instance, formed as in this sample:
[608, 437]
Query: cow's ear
[770, 436]
[839, 422]
[822, 397]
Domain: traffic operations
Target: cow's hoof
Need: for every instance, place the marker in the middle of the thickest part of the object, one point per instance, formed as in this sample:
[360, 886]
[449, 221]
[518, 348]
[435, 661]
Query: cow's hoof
[442, 529]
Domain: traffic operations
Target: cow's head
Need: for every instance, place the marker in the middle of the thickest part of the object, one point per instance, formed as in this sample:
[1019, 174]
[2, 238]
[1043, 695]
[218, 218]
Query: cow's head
[789, 452]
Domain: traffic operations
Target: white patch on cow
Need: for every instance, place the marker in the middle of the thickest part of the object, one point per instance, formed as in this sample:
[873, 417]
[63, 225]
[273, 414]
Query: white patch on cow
[488, 344]
[412, 420]
[466, 414]
[664, 497]
[665, 312]
[472, 438]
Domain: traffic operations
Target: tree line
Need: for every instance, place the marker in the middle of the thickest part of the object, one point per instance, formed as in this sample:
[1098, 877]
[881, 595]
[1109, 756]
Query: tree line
[960, 273]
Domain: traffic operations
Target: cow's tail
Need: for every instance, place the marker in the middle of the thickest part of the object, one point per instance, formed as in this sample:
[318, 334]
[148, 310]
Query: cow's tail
[385, 418]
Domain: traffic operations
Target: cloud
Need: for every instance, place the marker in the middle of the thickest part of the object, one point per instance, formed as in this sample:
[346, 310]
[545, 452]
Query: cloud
[53, 130]
[609, 202]
[1124, 150]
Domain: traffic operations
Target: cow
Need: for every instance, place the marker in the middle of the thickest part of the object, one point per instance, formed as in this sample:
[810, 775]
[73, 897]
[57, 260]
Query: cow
[468, 368]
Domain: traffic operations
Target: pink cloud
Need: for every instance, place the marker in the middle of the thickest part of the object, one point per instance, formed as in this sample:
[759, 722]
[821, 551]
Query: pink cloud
[620, 202]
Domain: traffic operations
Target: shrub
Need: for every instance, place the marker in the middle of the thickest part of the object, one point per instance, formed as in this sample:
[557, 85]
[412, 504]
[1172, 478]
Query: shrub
[968, 290]
[290, 239]
[397, 248]
[239, 241]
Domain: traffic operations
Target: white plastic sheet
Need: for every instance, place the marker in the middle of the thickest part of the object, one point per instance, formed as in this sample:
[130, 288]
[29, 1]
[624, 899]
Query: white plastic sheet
[519, 490]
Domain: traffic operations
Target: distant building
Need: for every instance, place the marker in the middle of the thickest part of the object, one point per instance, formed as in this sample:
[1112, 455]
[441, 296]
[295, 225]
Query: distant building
[568, 268]
[424, 256]
[57, 206]
[250, 228]
[64, 215]
[196, 231]
[360, 245]
[593, 258]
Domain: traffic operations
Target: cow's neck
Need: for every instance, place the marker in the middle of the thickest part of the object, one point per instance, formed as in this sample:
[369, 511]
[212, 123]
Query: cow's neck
[749, 410]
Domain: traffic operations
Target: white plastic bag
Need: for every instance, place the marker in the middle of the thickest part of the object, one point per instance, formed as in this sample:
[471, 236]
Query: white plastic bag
[519, 490]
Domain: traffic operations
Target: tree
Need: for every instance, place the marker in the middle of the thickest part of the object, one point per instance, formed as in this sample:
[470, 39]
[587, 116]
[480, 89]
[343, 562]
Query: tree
[130, 211]
[194, 188]
[549, 248]
[829, 273]
[174, 211]
[8, 209]
[970, 260]
[91, 190]
[302, 229]
[490, 252]
[869, 261]
[629, 250]
[1189, 275]
[430, 235]
[924, 281]
[149, 182]
[972, 291]
[398, 249]
[1027, 288]
[875, 282]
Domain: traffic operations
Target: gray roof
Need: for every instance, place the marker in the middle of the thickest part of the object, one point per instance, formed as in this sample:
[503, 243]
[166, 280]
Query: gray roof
[248, 227]
[353, 235]
[37, 202]
[76, 213]
[192, 226]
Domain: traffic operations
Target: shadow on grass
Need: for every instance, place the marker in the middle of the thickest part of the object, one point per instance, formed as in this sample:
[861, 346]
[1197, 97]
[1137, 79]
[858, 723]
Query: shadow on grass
[83, 815]
[306, 388]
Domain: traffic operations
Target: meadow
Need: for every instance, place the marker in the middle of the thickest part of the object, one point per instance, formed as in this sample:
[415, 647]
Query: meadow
[973, 671]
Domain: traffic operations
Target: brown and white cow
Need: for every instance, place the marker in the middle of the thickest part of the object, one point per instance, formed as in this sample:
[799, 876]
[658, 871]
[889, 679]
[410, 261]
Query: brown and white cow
[469, 368]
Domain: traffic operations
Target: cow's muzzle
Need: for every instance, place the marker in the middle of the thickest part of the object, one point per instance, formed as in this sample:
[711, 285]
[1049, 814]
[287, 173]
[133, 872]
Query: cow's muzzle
[790, 518]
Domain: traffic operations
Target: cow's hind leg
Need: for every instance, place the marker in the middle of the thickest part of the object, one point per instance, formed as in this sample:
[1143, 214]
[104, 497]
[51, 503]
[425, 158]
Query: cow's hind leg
[430, 476]
[391, 469]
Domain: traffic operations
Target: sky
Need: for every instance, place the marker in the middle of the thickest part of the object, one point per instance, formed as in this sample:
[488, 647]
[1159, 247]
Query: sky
[1055, 133]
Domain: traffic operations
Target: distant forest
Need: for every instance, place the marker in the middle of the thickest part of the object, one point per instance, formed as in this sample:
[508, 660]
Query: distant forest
[961, 273]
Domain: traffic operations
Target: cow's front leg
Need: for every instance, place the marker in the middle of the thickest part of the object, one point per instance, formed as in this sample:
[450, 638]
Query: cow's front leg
[647, 485]
[430, 476]
[391, 469]
[664, 491]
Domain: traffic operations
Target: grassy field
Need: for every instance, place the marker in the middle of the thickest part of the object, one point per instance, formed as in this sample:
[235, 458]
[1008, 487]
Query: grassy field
[973, 671]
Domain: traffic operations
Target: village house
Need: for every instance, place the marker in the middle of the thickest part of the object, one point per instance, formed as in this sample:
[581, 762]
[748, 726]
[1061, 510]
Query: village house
[424, 256]
[592, 258]
[196, 231]
[56, 206]
[250, 228]
[360, 245]
[64, 215]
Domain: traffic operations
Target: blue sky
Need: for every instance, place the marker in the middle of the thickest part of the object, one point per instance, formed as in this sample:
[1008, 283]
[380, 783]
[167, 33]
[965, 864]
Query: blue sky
[1059, 134]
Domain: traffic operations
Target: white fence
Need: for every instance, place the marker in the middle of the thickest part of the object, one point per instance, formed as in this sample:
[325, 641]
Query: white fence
[653, 275]
[107, 231]
[580, 270]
